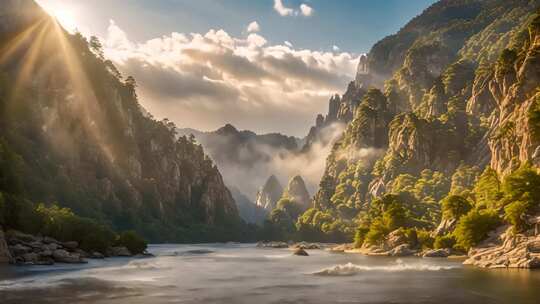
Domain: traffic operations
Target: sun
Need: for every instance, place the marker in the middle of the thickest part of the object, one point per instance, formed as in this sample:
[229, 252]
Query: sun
[63, 14]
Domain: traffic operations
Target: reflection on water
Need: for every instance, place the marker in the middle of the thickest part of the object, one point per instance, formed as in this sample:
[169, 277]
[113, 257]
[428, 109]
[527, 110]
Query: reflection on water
[234, 273]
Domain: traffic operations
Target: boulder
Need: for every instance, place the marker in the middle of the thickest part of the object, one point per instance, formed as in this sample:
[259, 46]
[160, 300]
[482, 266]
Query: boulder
[30, 258]
[15, 237]
[19, 249]
[401, 250]
[437, 253]
[120, 251]
[51, 246]
[62, 256]
[50, 240]
[46, 253]
[395, 239]
[300, 252]
[71, 245]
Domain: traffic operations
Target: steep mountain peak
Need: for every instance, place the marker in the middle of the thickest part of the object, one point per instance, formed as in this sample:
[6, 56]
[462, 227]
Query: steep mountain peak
[269, 194]
[227, 129]
[297, 191]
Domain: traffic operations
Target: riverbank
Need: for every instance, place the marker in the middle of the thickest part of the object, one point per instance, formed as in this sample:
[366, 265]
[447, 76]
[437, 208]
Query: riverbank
[25, 249]
[503, 249]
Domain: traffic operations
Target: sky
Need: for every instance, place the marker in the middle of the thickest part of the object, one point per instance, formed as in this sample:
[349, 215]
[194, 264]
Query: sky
[262, 65]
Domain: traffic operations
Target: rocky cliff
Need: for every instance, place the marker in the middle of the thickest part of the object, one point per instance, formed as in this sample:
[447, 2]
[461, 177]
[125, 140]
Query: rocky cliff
[82, 139]
[269, 194]
[454, 91]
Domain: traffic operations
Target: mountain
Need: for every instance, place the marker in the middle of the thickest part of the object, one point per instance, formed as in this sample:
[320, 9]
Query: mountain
[73, 133]
[247, 209]
[296, 191]
[269, 194]
[245, 158]
[441, 125]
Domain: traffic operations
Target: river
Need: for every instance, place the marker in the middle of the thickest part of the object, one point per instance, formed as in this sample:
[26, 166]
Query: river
[242, 273]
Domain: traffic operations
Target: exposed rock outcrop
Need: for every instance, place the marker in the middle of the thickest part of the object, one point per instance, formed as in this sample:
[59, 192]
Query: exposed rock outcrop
[269, 194]
[27, 249]
[506, 250]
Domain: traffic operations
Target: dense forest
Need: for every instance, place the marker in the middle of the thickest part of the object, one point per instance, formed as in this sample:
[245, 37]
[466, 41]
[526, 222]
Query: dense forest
[441, 145]
[80, 158]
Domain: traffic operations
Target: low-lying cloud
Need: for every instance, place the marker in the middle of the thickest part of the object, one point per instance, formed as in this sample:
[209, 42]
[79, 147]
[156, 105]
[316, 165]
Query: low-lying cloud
[203, 81]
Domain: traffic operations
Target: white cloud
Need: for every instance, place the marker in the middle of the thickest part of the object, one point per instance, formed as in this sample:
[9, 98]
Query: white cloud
[281, 9]
[306, 10]
[289, 44]
[206, 80]
[335, 48]
[253, 27]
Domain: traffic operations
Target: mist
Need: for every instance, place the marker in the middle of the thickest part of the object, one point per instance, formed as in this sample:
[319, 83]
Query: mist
[246, 160]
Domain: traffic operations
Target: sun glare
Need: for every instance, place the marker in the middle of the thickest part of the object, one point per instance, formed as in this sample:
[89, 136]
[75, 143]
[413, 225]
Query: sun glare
[63, 14]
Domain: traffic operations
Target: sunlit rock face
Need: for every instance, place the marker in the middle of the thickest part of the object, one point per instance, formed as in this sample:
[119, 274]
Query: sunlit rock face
[269, 194]
[296, 191]
[86, 143]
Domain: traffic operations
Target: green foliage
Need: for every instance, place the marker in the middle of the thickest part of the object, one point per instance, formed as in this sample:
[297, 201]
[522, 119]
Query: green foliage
[521, 196]
[64, 225]
[505, 63]
[445, 241]
[133, 242]
[424, 239]
[455, 206]
[291, 207]
[487, 191]
[534, 119]
[377, 232]
[325, 226]
[515, 213]
[464, 179]
[474, 227]
[360, 236]
[522, 182]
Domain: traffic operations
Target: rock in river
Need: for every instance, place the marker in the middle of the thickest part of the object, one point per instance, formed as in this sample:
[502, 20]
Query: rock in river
[300, 252]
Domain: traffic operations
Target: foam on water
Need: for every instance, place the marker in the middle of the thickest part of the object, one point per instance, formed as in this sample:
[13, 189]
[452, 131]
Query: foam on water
[352, 269]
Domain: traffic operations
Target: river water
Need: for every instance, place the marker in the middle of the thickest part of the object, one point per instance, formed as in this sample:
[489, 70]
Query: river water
[242, 273]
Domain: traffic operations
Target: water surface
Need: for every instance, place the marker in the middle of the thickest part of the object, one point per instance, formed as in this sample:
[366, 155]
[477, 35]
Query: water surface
[234, 273]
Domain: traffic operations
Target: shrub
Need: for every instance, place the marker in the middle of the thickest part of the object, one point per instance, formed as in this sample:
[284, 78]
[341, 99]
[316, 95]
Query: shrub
[455, 206]
[474, 227]
[376, 233]
[64, 225]
[424, 239]
[360, 236]
[515, 212]
[487, 190]
[133, 242]
[445, 241]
